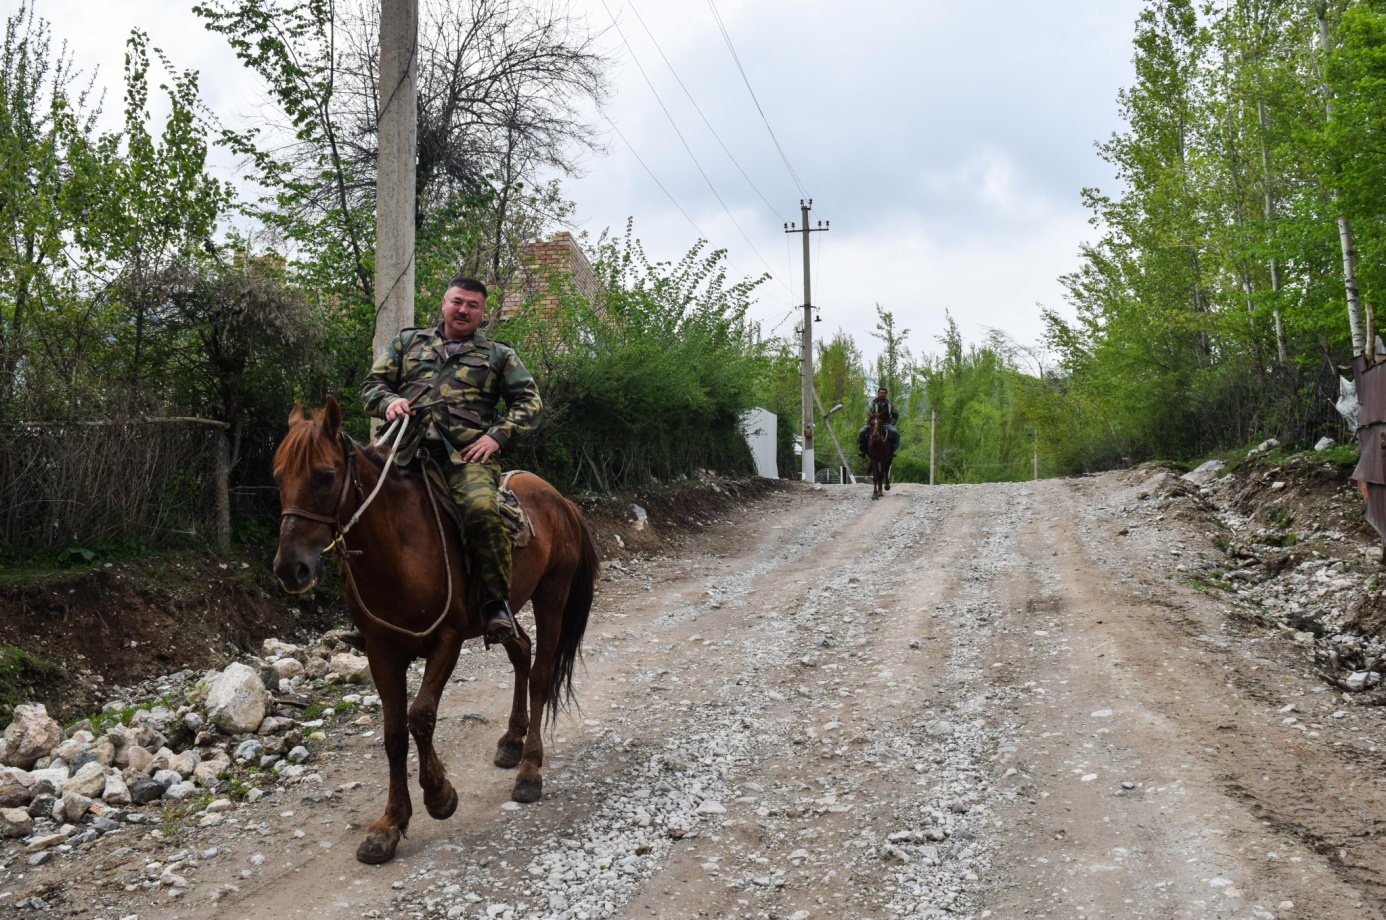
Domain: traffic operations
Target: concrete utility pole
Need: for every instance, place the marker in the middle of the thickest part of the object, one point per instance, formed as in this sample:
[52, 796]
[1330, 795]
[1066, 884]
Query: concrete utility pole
[394, 181]
[806, 339]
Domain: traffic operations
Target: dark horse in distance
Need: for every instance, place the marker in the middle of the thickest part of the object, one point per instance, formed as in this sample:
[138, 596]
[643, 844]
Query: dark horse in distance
[406, 589]
[877, 454]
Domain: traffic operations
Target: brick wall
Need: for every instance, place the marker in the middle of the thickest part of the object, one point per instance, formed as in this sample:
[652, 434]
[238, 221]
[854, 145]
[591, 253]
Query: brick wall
[541, 262]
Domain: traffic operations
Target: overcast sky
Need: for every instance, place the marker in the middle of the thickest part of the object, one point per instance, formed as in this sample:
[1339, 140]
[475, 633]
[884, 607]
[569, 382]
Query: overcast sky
[946, 142]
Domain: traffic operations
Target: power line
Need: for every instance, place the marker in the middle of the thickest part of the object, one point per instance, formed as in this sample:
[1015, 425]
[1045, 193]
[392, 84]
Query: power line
[674, 201]
[770, 271]
[726, 37]
[699, 110]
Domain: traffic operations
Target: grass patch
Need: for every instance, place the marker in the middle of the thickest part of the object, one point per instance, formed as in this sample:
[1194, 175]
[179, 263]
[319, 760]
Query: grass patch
[104, 721]
[1344, 454]
[20, 670]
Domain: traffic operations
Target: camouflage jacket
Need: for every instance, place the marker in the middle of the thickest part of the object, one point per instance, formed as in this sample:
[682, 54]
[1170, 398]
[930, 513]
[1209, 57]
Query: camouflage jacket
[467, 386]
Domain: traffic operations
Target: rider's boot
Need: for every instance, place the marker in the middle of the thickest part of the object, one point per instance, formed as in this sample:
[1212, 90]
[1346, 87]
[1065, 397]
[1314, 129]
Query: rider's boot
[498, 625]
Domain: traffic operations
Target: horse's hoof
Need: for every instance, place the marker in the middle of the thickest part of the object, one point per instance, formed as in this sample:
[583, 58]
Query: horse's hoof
[442, 814]
[377, 848]
[508, 755]
[528, 790]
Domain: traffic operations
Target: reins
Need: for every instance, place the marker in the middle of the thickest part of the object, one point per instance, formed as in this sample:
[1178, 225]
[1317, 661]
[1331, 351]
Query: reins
[338, 543]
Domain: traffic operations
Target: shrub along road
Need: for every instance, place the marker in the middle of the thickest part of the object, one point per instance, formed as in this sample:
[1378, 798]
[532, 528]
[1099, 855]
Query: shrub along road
[958, 701]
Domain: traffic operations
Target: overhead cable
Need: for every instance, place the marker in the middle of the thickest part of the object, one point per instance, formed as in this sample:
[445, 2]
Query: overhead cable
[770, 271]
[726, 37]
[699, 110]
[674, 201]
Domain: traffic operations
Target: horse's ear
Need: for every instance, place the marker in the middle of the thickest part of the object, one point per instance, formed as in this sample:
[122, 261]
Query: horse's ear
[296, 416]
[331, 417]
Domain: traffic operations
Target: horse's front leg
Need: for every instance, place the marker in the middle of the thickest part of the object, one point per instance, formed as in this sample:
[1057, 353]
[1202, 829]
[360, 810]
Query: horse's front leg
[512, 744]
[383, 836]
[439, 797]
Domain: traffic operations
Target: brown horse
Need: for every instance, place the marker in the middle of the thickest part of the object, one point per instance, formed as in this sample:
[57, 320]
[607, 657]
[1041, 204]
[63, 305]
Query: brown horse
[406, 589]
[877, 454]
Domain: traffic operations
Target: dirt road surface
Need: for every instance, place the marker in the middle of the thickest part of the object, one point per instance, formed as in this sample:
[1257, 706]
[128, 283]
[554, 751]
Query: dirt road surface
[971, 701]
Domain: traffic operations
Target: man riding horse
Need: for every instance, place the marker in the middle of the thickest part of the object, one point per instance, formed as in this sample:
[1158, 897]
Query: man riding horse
[452, 379]
[883, 407]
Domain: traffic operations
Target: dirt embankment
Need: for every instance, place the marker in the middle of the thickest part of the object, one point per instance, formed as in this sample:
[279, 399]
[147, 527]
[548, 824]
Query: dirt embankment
[80, 633]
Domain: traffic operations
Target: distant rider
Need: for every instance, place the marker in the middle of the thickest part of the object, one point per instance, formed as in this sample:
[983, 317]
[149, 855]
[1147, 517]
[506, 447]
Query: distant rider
[883, 407]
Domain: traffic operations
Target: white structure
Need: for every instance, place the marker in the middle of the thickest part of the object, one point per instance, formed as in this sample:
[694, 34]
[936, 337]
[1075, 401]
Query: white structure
[759, 427]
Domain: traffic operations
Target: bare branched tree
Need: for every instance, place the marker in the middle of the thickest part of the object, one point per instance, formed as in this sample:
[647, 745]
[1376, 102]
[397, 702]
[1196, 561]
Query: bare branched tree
[507, 93]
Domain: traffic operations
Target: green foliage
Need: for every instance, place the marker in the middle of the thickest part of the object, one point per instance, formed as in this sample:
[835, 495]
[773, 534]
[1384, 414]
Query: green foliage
[1210, 309]
[72, 554]
[20, 670]
[648, 382]
[983, 432]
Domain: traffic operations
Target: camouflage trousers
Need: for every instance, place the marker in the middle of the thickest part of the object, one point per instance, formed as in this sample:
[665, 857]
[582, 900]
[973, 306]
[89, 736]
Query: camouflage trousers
[474, 487]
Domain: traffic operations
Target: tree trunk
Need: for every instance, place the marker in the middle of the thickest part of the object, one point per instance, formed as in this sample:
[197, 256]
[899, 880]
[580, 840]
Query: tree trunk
[1354, 297]
[221, 475]
[1281, 350]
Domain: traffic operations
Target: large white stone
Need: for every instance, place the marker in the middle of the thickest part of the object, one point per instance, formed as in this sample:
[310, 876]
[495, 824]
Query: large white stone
[287, 668]
[56, 776]
[116, 792]
[89, 781]
[183, 764]
[15, 822]
[1205, 473]
[32, 734]
[209, 770]
[353, 669]
[237, 700]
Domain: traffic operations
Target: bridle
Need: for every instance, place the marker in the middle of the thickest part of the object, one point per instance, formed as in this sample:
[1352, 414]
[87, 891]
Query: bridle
[351, 480]
[876, 424]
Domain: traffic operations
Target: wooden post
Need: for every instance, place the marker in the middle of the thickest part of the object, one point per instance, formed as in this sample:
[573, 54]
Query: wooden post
[933, 418]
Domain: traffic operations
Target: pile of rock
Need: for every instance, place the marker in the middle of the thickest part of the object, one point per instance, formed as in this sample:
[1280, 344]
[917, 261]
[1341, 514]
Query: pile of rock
[1307, 581]
[64, 789]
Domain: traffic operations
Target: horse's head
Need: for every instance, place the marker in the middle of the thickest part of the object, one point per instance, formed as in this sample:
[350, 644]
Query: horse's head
[875, 423]
[311, 468]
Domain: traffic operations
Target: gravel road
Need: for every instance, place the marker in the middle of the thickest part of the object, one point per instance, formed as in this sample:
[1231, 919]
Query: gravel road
[970, 701]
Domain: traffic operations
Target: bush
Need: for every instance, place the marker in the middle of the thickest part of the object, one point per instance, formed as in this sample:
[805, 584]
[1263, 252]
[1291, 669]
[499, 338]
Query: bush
[650, 381]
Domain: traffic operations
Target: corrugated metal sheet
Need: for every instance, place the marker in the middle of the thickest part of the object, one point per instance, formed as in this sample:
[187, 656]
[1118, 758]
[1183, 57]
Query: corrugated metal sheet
[1371, 439]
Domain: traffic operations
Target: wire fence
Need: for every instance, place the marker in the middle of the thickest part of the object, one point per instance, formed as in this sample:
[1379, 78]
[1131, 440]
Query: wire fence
[72, 487]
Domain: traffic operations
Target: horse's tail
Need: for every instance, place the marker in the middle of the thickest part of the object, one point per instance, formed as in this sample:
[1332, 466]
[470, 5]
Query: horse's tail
[574, 625]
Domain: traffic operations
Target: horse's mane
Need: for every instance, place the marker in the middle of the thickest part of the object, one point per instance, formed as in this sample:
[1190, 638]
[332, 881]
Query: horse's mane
[307, 446]
[303, 448]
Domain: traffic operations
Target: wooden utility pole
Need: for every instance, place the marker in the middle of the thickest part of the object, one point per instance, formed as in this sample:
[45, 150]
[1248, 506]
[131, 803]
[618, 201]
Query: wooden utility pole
[398, 144]
[1036, 458]
[933, 420]
[806, 339]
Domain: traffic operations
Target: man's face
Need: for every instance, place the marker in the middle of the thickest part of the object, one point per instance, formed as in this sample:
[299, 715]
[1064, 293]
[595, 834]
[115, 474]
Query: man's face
[463, 312]
[881, 393]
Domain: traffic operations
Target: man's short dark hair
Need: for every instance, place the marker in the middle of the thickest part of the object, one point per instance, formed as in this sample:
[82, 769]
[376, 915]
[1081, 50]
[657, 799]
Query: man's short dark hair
[467, 283]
